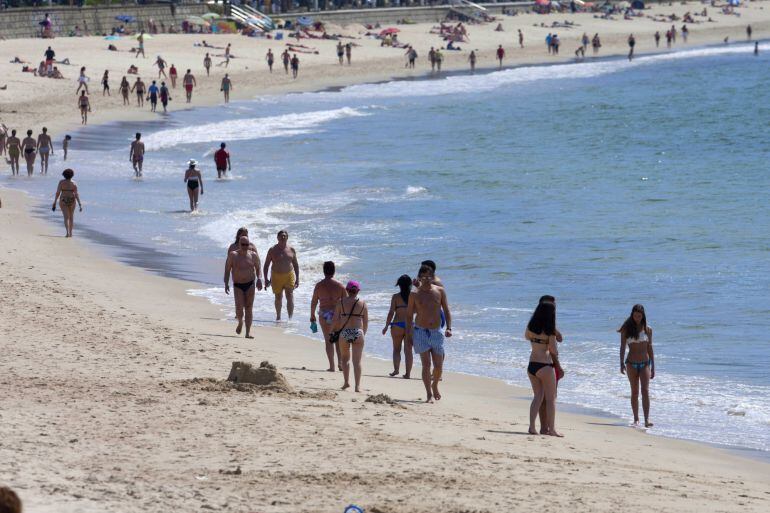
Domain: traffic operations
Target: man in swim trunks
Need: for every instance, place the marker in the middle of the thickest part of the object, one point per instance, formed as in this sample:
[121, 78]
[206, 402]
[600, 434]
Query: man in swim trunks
[152, 93]
[44, 148]
[285, 276]
[136, 155]
[326, 294]
[222, 160]
[270, 58]
[424, 331]
[286, 58]
[244, 264]
[189, 81]
[139, 88]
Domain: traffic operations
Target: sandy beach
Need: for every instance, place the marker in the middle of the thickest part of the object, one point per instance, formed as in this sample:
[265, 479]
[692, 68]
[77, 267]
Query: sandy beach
[113, 395]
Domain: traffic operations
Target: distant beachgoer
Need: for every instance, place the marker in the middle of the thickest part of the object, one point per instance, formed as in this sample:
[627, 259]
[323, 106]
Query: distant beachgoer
[631, 44]
[270, 58]
[194, 180]
[49, 60]
[285, 274]
[424, 332]
[669, 38]
[348, 52]
[521, 39]
[222, 161]
[189, 82]
[580, 53]
[136, 155]
[106, 83]
[140, 39]
[639, 365]
[555, 43]
[82, 81]
[206, 64]
[340, 53]
[164, 95]
[584, 42]
[226, 62]
[351, 319]
[286, 58]
[500, 56]
[245, 267]
[685, 33]
[65, 145]
[44, 149]
[29, 147]
[673, 33]
[748, 32]
[438, 57]
[548, 40]
[756, 48]
[13, 145]
[67, 195]
[657, 38]
[541, 332]
[226, 87]
[294, 66]
[9, 501]
[596, 43]
[173, 74]
[472, 60]
[3, 138]
[152, 95]
[432, 58]
[396, 321]
[161, 64]
[140, 90]
[326, 295]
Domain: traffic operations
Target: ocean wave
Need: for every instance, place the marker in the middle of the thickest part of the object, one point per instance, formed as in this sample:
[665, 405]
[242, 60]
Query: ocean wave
[285, 125]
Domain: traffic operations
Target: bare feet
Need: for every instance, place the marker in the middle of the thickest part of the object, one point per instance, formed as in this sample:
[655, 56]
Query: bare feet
[429, 399]
[555, 433]
[648, 424]
[331, 369]
[345, 386]
[358, 390]
[533, 431]
[249, 336]
[436, 393]
[405, 376]
[393, 373]
[239, 328]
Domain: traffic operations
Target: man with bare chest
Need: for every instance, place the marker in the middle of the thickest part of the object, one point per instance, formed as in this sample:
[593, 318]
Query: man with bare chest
[327, 293]
[425, 330]
[244, 265]
[285, 274]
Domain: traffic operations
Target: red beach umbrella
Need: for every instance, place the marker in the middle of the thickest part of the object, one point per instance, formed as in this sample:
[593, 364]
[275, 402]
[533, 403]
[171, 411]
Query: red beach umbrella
[389, 31]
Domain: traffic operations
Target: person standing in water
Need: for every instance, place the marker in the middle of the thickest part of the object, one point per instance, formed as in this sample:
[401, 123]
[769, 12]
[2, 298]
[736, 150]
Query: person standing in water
[245, 267]
[472, 60]
[541, 332]
[13, 145]
[194, 180]
[424, 331]
[136, 155]
[226, 86]
[326, 295]
[631, 44]
[44, 148]
[29, 147]
[67, 195]
[639, 365]
[396, 321]
[351, 320]
[222, 161]
[285, 275]
[756, 48]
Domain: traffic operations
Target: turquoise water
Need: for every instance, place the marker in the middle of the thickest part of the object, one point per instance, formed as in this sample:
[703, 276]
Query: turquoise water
[605, 183]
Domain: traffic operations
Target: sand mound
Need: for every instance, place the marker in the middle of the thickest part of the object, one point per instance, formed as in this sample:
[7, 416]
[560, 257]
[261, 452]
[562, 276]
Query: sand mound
[380, 399]
[266, 375]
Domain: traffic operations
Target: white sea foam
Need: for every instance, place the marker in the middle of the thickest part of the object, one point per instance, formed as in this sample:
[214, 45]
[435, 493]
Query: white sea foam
[285, 125]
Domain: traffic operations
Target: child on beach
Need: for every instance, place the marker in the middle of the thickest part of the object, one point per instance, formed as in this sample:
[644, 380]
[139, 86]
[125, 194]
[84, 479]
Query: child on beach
[65, 144]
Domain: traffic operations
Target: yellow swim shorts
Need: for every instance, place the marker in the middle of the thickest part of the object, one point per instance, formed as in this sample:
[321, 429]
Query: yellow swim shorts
[281, 281]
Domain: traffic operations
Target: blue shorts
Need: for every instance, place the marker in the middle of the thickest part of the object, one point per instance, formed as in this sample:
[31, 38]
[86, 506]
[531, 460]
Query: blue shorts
[426, 340]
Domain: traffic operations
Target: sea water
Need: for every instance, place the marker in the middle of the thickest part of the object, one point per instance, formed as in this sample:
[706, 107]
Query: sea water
[605, 183]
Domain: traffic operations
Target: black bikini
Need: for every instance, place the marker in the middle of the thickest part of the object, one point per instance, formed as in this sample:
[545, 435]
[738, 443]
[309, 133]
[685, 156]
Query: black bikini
[536, 366]
[244, 286]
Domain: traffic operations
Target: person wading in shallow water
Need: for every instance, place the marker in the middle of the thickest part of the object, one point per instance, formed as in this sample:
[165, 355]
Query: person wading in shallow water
[639, 365]
[245, 267]
[285, 275]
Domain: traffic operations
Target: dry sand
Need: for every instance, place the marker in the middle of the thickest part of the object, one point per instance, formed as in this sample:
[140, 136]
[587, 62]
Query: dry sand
[111, 391]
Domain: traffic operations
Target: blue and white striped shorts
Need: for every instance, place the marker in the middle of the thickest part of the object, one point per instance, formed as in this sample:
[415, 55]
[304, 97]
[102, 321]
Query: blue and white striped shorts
[424, 340]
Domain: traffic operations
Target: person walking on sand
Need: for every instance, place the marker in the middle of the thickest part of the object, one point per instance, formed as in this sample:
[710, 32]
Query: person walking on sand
[349, 52]
[226, 62]
[152, 95]
[543, 339]
[164, 95]
[139, 87]
[270, 58]
[748, 32]
[432, 58]
[500, 56]
[106, 83]
[472, 60]
[596, 43]
[584, 42]
[340, 53]
[286, 58]
[206, 64]
[44, 149]
[411, 55]
[396, 321]
[172, 74]
[245, 267]
[3, 138]
[326, 295]
[140, 40]
[294, 66]
[124, 89]
[285, 274]
[639, 365]
[67, 195]
[541, 331]
[439, 58]
[631, 44]
[29, 147]
[222, 161]
[82, 81]
[161, 64]
[226, 87]
[657, 38]
[189, 82]
[136, 155]
[351, 321]
[521, 39]
[194, 180]
[424, 331]
[13, 145]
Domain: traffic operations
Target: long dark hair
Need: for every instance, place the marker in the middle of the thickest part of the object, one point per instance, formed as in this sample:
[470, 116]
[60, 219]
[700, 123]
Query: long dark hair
[241, 231]
[543, 319]
[405, 284]
[629, 328]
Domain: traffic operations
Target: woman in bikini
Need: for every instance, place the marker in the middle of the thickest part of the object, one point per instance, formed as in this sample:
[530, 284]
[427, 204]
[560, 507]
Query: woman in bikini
[85, 107]
[82, 81]
[125, 88]
[106, 83]
[543, 339]
[194, 181]
[351, 319]
[639, 365]
[13, 144]
[396, 321]
[541, 332]
[29, 147]
[67, 195]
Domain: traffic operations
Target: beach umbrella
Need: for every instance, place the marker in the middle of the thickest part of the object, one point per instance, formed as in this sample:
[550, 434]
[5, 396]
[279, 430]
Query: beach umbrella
[305, 20]
[211, 16]
[389, 31]
[125, 18]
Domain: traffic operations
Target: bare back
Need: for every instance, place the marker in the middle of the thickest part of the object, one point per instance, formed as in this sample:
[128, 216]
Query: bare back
[329, 292]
